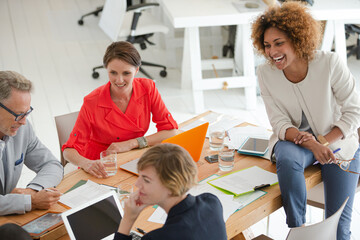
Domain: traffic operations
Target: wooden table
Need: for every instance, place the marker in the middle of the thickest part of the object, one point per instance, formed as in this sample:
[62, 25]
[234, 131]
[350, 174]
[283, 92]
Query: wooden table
[236, 225]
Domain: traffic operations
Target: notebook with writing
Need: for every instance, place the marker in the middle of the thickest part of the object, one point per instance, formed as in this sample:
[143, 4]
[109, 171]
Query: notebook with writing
[191, 140]
[96, 219]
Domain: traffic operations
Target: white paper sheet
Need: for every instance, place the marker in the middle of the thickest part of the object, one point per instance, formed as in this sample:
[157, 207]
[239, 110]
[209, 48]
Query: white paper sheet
[83, 194]
[245, 180]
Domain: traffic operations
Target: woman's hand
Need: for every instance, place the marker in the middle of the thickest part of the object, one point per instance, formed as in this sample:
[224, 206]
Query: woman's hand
[323, 154]
[124, 146]
[303, 137]
[132, 208]
[95, 168]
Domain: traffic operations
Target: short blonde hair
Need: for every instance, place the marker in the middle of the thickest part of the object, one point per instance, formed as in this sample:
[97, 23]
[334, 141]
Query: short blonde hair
[295, 21]
[173, 164]
[11, 79]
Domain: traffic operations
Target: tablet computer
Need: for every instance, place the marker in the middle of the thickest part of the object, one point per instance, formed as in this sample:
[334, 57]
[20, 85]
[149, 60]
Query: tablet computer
[254, 146]
[43, 224]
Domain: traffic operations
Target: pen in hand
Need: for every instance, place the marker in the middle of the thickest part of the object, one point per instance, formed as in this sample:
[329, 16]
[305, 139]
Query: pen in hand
[50, 190]
[335, 151]
[140, 230]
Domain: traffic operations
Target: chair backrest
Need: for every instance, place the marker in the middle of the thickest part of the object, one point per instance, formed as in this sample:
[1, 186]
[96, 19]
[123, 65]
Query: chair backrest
[325, 230]
[112, 18]
[64, 125]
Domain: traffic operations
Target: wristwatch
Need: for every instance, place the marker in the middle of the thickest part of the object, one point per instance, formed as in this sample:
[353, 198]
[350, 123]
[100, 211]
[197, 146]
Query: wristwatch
[322, 140]
[142, 142]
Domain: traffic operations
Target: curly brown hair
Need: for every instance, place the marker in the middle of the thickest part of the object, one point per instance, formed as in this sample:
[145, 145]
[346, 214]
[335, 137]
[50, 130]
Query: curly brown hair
[295, 21]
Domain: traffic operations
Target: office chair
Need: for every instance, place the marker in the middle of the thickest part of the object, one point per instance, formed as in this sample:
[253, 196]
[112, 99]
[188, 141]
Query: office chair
[354, 49]
[133, 24]
[97, 11]
[64, 125]
[325, 230]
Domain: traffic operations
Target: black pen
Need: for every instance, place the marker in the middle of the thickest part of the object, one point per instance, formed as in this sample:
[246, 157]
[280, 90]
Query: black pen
[140, 230]
[261, 186]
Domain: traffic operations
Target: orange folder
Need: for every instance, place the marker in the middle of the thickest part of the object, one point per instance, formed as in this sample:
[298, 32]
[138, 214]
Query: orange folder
[192, 140]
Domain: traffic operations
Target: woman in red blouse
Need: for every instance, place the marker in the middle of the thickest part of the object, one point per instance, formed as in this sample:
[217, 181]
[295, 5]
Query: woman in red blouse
[116, 116]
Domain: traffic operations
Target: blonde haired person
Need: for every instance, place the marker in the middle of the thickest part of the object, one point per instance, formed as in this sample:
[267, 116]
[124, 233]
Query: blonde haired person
[313, 108]
[166, 173]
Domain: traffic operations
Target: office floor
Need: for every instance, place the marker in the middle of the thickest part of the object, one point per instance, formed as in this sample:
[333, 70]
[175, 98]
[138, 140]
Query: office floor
[41, 40]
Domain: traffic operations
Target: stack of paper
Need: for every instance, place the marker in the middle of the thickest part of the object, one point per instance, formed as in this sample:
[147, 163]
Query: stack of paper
[83, 194]
[244, 181]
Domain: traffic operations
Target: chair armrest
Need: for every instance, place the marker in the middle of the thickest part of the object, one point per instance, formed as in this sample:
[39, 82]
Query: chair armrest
[141, 7]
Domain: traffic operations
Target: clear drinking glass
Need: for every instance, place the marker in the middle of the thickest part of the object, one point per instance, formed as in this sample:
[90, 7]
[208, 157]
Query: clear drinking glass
[226, 159]
[108, 159]
[123, 192]
[216, 138]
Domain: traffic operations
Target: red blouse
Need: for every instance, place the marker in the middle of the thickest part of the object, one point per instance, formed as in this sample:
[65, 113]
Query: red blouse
[101, 122]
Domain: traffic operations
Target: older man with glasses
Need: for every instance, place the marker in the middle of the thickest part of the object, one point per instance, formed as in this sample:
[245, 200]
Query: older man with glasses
[18, 146]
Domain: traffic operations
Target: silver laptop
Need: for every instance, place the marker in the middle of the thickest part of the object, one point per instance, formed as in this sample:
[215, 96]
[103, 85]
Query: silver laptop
[94, 220]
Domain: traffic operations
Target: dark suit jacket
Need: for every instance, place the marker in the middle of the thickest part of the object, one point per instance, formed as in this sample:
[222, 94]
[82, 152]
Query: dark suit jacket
[194, 218]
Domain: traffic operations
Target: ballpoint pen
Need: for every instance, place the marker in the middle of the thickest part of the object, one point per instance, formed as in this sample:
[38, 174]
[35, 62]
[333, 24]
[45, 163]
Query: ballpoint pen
[335, 151]
[50, 190]
[140, 230]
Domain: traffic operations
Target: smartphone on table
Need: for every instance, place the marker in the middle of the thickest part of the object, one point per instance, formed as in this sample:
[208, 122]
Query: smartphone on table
[212, 158]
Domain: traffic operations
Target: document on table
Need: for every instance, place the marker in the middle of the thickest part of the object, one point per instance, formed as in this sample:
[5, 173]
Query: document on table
[83, 194]
[215, 119]
[248, 198]
[244, 181]
[229, 206]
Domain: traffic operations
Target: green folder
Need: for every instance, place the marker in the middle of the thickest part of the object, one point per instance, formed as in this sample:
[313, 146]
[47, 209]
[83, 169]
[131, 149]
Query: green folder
[244, 181]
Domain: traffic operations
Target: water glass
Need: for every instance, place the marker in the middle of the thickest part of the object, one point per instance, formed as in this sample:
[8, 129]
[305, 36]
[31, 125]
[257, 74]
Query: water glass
[108, 159]
[216, 138]
[123, 192]
[226, 159]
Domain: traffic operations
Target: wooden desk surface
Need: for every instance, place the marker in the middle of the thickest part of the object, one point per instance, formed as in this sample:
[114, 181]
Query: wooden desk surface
[237, 223]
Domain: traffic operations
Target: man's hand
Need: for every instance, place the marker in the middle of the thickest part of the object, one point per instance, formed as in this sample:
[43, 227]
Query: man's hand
[95, 168]
[45, 199]
[27, 191]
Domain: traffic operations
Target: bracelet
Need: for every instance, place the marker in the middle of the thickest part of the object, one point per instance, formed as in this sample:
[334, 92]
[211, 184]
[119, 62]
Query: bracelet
[323, 140]
[142, 142]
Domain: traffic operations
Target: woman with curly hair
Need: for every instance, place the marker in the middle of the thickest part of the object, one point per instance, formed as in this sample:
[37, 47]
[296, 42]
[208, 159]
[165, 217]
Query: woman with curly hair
[313, 108]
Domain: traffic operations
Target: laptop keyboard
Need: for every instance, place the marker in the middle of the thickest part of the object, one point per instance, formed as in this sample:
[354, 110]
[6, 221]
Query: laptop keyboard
[135, 236]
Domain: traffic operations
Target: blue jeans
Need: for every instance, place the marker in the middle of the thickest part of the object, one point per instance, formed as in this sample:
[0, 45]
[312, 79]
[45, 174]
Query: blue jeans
[291, 160]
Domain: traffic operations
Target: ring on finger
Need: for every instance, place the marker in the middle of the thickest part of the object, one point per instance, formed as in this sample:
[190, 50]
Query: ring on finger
[329, 160]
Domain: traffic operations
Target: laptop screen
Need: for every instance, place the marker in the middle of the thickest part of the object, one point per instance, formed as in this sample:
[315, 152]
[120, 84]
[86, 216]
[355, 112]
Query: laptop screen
[97, 219]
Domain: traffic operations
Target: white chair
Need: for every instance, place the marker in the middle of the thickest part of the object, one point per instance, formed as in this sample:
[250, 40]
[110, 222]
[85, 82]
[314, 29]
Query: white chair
[325, 230]
[64, 125]
[132, 24]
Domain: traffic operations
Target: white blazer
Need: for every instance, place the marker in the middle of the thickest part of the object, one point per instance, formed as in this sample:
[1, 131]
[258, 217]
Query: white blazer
[327, 96]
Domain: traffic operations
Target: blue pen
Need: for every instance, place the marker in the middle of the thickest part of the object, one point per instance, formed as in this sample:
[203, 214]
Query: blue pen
[335, 151]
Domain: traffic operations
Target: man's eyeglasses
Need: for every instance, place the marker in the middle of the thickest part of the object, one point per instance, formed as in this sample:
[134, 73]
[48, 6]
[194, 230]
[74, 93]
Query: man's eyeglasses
[345, 165]
[18, 117]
